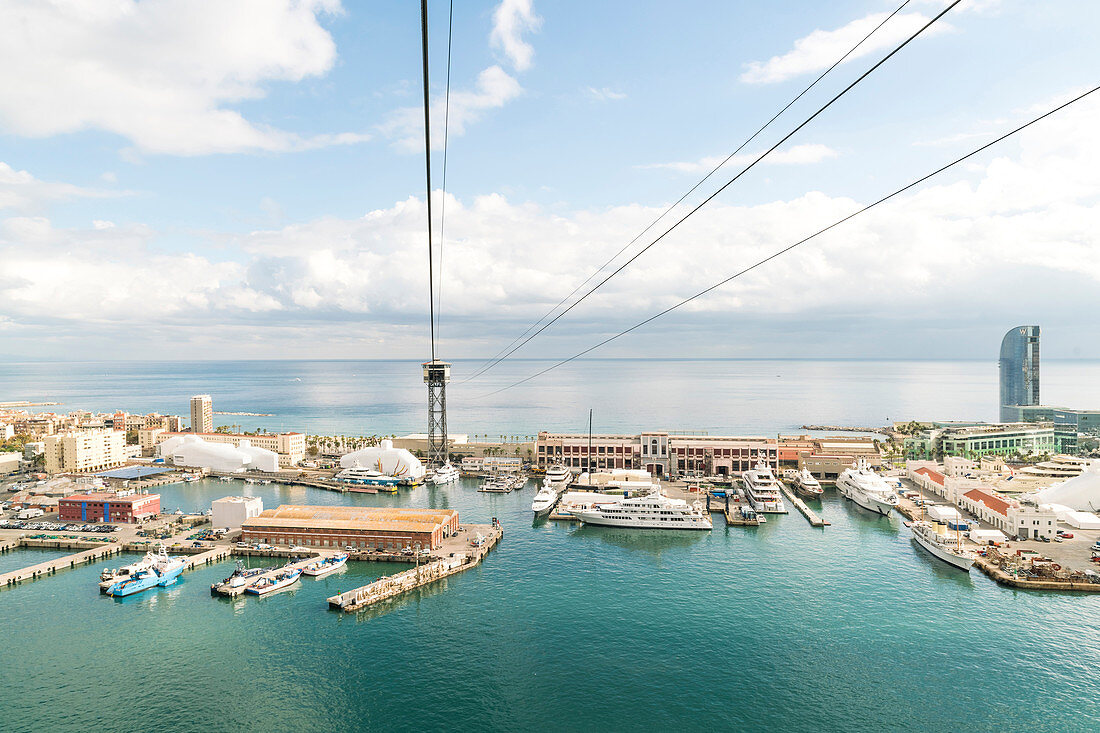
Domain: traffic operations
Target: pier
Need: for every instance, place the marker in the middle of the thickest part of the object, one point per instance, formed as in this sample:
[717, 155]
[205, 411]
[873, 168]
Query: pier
[810, 514]
[100, 551]
[394, 585]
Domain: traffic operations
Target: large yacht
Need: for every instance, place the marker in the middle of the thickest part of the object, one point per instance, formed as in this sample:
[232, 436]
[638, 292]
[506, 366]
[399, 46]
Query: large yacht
[762, 490]
[545, 499]
[368, 476]
[866, 488]
[947, 549]
[559, 475]
[655, 511]
[807, 485]
[445, 474]
[159, 569]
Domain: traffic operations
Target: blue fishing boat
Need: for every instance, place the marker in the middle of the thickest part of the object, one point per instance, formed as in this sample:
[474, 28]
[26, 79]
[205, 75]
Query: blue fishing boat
[162, 570]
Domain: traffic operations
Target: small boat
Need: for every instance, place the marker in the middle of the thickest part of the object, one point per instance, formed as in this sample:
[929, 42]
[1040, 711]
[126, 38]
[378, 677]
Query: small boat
[283, 579]
[806, 485]
[326, 565]
[368, 476]
[496, 486]
[445, 474]
[239, 578]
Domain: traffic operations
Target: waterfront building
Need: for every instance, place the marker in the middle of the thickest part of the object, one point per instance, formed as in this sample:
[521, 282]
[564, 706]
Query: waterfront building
[384, 528]
[10, 462]
[202, 414]
[81, 451]
[290, 447]
[233, 511]
[660, 453]
[108, 507]
[826, 467]
[1014, 518]
[1019, 370]
[1003, 439]
[1074, 421]
[193, 451]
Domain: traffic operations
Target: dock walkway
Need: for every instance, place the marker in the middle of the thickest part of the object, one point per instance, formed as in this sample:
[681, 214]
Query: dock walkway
[392, 586]
[8, 580]
[810, 514]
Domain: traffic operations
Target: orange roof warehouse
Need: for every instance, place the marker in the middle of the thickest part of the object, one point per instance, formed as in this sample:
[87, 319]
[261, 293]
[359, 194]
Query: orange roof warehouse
[358, 527]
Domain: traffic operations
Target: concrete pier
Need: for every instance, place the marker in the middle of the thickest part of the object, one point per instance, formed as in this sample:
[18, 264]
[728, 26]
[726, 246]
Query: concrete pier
[8, 580]
[394, 585]
[810, 514]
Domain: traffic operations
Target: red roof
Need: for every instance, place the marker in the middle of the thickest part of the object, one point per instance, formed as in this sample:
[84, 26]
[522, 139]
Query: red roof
[934, 475]
[111, 498]
[995, 503]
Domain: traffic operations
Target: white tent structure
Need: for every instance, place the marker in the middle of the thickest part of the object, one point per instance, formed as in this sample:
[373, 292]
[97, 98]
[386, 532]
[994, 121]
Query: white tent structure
[194, 452]
[386, 459]
[1080, 493]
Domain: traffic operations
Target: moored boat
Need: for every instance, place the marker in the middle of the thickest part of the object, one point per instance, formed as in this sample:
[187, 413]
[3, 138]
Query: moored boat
[654, 511]
[240, 577]
[806, 485]
[950, 551]
[269, 584]
[762, 490]
[326, 565]
[445, 474]
[866, 488]
[161, 569]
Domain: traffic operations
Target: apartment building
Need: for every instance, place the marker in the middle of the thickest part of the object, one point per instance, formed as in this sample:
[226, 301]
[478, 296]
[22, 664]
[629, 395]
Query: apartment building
[84, 450]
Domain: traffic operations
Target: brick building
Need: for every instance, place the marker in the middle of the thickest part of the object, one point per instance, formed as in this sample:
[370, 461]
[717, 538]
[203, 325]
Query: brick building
[388, 528]
[108, 507]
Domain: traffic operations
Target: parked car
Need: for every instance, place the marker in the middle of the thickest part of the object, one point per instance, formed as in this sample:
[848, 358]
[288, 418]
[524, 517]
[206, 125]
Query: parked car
[1066, 535]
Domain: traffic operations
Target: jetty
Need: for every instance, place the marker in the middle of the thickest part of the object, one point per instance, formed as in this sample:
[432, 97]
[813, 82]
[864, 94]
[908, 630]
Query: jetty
[392, 586]
[810, 514]
[100, 551]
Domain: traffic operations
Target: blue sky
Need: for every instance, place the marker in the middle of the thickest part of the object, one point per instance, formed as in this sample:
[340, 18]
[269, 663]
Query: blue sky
[245, 179]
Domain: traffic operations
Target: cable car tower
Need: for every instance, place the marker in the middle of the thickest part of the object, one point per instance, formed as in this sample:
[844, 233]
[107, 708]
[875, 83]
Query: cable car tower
[436, 372]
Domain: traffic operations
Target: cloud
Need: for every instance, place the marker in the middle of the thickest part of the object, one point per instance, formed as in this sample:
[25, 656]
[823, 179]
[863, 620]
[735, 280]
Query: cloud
[494, 89]
[1027, 220]
[162, 74]
[820, 49]
[21, 191]
[796, 155]
[605, 94]
[511, 20]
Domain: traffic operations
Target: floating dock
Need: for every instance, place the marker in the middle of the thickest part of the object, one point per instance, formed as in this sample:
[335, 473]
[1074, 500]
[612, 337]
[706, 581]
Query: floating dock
[810, 514]
[392, 586]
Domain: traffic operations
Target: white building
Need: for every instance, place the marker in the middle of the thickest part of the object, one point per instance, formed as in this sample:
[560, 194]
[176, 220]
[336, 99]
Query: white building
[1016, 519]
[194, 452]
[290, 447]
[386, 459]
[10, 462]
[233, 511]
[1081, 493]
[84, 450]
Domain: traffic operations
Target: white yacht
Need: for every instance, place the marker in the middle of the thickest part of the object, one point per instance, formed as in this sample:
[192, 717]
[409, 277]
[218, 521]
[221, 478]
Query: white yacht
[445, 474]
[559, 475]
[807, 485]
[762, 490]
[655, 511]
[545, 499]
[866, 488]
[367, 476]
[947, 549]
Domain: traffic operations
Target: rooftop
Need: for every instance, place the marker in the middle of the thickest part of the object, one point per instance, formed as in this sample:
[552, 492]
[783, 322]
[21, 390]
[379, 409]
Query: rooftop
[111, 498]
[346, 517]
[995, 503]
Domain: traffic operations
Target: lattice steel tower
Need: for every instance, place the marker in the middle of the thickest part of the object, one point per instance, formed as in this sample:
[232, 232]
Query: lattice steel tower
[436, 375]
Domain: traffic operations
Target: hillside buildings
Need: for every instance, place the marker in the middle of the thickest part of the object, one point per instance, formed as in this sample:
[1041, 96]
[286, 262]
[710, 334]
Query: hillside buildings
[202, 414]
[81, 451]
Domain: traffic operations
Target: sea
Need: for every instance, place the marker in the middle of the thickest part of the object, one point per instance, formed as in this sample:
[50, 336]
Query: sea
[779, 627]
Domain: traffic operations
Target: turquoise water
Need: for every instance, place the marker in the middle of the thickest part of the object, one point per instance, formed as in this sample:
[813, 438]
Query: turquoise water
[25, 557]
[782, 627]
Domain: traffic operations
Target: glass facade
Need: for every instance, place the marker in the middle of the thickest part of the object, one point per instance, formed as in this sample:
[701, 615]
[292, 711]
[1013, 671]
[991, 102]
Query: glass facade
[1019, 365]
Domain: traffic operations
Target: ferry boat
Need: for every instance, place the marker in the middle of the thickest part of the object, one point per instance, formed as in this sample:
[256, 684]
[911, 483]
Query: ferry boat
[807, 485]
[762, 490]
[655, 511]
[326, 565]
[445, 474]
[866, 488]
[366, 476]
[162, 571]
[951, 552]
[239, 578]
[283, 579]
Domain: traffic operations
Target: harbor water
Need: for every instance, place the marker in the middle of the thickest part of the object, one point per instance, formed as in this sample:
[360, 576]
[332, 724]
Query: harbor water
[564, 627]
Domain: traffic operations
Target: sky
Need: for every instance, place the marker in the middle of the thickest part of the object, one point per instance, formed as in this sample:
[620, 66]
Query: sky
[245, 178]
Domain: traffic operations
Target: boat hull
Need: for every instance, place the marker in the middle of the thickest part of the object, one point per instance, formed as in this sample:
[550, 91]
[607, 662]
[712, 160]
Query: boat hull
[955, 561]
[867, 502]
[138, 584]
[324, 569]
[277, 586]
[596, 518]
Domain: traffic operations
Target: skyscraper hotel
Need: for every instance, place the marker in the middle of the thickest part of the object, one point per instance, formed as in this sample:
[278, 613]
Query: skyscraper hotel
[1019, 366]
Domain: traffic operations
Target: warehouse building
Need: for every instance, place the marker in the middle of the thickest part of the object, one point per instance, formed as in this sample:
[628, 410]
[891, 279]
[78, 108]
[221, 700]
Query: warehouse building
[384, 528]
[233, 511]
[108, 507]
